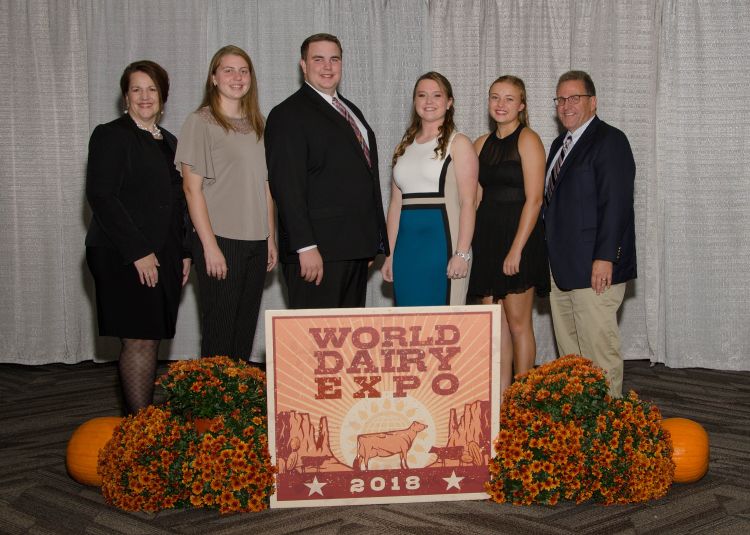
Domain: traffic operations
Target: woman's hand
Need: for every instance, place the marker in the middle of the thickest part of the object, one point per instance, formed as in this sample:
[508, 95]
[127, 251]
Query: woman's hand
[387, 269]
[273, 254]
[216, 264]
[458, 267]
[147, 272]
[512, 262]
[186, 263]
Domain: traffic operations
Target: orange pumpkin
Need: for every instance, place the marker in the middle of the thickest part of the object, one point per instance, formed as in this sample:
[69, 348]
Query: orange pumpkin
[690, 442]
[82, 455]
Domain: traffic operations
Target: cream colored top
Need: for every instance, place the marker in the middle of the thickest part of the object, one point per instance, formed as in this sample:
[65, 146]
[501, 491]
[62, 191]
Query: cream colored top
[418, 169]
[233, 167]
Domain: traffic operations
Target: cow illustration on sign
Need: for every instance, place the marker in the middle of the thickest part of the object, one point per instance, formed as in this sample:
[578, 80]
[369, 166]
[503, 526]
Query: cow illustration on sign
[398, 442]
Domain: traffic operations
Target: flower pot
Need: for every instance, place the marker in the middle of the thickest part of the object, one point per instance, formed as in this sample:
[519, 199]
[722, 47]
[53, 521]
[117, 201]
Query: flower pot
[204, 424]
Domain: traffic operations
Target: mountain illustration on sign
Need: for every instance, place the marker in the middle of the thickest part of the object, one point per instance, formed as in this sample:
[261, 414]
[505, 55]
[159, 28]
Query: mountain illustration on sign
[302, 447]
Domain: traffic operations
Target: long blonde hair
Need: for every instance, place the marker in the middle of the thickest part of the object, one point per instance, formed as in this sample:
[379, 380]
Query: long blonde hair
[248, 104]
[446, 129]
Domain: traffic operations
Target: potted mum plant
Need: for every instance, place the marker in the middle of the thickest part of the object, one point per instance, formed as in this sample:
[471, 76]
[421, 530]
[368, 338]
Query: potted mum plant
[162, 458]
[157, 461]
[563, 437]
[141, 464]
[210, 391]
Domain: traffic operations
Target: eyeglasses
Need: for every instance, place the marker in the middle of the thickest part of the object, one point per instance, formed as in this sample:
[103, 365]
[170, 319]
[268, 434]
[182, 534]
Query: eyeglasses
[573, 99]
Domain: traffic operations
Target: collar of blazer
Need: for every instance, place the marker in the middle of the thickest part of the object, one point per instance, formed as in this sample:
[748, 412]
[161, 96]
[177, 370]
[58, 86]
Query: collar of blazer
[329, 111]
[578, 151]
[148, 150]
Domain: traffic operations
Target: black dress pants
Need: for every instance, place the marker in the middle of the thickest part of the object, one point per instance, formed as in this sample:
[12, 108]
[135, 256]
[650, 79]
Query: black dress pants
[344, 285]
[229, 308]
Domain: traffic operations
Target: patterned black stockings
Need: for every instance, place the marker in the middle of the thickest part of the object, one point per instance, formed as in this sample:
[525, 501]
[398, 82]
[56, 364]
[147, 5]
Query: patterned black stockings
[137, 366]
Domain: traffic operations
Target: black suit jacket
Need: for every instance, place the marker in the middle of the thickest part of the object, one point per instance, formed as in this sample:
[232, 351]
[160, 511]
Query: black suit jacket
[590, 215]
[128, 189]
[326, 192]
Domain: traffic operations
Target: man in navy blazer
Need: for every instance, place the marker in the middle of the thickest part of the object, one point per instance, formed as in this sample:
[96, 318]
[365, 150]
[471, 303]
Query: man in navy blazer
[323, 172]
[590, 227]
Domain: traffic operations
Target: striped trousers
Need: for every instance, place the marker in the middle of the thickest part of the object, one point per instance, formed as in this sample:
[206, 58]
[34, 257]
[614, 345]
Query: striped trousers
[229, 308]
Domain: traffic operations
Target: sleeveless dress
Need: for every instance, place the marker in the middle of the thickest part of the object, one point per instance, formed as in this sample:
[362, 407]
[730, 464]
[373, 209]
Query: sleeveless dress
[498, 214]
[428, 228]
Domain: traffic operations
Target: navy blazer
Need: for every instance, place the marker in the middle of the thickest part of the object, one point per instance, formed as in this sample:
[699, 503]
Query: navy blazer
[326, 192]
[128, 186]
[590, 215]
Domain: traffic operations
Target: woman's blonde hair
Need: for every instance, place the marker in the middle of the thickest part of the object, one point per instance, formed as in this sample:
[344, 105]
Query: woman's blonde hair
[523, 115]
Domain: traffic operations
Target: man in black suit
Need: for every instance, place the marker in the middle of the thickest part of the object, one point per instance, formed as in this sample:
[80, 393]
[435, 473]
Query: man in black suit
[323, 172]
[590, 227]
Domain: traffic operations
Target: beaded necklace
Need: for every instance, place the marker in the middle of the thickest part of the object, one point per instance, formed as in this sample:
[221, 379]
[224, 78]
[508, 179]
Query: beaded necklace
[154, 130]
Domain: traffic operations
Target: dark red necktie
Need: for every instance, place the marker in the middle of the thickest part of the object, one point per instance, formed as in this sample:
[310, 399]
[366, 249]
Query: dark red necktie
[556, 168]
[348, 116]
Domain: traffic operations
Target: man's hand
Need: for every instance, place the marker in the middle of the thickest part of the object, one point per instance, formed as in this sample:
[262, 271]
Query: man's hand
[601, 275]
[311, 266]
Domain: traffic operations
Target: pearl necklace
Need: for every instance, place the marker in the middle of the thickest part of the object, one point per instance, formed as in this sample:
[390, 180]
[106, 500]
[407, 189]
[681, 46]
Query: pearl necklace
[154, 130]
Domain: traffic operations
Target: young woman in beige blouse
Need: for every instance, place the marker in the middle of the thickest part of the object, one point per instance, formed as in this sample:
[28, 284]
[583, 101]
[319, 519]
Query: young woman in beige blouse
[222, 160]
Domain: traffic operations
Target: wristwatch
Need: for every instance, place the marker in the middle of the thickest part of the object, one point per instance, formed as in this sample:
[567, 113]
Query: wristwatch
[466, 256]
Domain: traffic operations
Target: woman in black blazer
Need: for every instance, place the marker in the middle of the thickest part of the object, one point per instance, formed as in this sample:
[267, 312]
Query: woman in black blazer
[135, 246]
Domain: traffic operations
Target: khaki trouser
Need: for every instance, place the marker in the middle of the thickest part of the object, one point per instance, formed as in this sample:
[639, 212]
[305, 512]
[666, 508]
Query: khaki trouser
[586, 324]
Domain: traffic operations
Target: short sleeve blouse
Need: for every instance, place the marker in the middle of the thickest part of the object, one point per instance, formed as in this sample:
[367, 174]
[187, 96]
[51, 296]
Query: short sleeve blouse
[233, 166]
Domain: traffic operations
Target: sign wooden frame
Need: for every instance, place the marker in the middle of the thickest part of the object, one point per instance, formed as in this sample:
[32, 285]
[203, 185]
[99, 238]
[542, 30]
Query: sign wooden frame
[382, 405]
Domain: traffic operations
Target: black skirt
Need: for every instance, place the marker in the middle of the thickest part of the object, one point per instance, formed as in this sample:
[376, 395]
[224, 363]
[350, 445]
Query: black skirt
[495, 230]
[128, 309]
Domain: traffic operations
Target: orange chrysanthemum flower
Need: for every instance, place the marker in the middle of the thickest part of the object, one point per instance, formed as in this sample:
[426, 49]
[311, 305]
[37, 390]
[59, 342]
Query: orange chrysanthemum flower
[559, 422]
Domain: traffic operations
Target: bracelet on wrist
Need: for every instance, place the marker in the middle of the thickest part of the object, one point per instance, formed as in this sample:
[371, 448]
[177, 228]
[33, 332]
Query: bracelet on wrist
[466, 256]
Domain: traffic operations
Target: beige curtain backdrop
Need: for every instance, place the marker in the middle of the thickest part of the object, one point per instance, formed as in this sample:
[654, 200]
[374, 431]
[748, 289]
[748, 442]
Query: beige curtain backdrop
[673, 75]
[615, 41]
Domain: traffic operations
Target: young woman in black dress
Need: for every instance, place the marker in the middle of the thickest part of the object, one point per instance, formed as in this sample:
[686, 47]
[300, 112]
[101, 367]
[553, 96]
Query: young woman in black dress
[510, 257]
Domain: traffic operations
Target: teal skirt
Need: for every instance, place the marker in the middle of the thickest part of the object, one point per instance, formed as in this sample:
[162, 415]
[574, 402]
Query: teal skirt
[420, 258]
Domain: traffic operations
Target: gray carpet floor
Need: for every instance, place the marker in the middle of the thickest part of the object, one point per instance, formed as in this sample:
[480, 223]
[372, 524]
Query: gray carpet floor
[40, 406]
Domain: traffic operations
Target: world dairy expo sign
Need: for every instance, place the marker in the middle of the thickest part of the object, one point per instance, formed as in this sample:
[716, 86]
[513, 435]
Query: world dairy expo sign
[382, 405]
